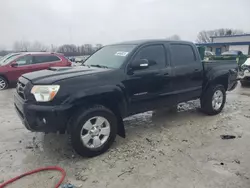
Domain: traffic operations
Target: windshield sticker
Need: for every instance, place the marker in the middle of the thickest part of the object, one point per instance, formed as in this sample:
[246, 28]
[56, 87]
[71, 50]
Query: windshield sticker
[120, 53]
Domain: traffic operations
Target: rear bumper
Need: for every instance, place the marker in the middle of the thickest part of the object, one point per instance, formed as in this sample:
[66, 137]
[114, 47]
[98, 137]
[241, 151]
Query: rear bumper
[40, 118]
[244, 76]
[246, 80]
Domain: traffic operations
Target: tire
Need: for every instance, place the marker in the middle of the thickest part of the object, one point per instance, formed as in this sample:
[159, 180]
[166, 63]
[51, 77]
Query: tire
[86, 137]
[243, 84]
[212, 106]
[3, 83]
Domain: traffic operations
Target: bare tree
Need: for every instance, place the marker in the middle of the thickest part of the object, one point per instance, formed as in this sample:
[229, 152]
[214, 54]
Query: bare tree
[205, 36]
[174, 37]
[88, 49]
[68, 49]
[38, 47]
[21, 46]
[53, 48]
[73, 50]
[98, 46]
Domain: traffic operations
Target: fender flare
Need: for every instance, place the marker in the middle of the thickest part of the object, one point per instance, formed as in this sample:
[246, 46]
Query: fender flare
[112, 97]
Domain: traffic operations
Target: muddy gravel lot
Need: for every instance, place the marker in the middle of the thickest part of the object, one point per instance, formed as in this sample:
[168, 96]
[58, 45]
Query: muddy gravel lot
[162, 149]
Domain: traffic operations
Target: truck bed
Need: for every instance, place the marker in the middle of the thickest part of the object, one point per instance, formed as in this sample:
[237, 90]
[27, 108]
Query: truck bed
[213, 68]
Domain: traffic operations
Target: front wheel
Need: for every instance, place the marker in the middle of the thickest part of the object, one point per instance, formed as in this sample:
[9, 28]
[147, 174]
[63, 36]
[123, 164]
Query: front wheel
[3, 83]
[93, 131]
[213, 101]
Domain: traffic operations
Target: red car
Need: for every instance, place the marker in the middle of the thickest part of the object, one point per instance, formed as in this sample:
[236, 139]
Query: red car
[14, 65]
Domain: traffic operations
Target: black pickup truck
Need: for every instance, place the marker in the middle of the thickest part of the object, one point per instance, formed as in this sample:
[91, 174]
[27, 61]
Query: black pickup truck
[89, 102]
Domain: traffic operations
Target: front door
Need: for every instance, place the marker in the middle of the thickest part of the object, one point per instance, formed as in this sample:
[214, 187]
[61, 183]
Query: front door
[146, 86]
[24, 65]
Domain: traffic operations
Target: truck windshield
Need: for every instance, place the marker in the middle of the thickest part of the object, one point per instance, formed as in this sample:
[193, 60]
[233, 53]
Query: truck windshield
[110, 56]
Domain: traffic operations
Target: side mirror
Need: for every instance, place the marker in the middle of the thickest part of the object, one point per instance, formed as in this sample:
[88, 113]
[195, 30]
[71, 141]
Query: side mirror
[14, 64]
[140, 64]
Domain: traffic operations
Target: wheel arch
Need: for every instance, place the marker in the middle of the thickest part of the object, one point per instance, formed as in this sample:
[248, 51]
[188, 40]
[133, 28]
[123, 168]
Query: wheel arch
[5, 77]
[7, 81]
[114, 101]
[218, 80]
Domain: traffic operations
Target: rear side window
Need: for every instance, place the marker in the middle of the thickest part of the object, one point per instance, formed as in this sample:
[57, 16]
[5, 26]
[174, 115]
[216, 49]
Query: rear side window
[45, 58]
[182, 54]
[153, 53]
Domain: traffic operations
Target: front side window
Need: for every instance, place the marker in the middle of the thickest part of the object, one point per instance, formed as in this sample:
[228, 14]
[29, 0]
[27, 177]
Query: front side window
[25, 60]
[155, 54]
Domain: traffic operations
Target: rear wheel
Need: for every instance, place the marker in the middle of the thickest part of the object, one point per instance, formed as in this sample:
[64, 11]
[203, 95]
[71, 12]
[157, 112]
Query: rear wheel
[213, 100]
[3, 83]
[94, 131]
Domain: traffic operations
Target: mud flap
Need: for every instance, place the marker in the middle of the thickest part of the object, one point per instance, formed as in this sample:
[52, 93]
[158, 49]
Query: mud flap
[121, 129]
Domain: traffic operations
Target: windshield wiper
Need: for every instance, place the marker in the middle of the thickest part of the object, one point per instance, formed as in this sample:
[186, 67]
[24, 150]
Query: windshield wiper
[100, 66]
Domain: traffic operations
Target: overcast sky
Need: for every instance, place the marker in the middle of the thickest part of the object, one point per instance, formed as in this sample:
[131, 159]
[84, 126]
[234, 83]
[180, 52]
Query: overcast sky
[107, 21]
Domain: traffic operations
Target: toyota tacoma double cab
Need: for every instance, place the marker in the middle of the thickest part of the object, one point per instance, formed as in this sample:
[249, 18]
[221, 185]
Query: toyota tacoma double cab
[89, 102]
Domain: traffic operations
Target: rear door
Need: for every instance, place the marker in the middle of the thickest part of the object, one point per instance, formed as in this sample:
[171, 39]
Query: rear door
[188, 71]
[145, 87]
[42, 62]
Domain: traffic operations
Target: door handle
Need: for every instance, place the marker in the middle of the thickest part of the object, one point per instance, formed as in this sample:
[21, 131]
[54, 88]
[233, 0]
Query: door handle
[166, 74]
[196, 70]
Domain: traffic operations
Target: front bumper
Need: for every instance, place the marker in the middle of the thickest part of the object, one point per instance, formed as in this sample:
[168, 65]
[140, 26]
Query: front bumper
[39, 118]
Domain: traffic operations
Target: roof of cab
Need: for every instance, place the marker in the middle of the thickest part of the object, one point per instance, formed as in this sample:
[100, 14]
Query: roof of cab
[39, 53]
[140, 42]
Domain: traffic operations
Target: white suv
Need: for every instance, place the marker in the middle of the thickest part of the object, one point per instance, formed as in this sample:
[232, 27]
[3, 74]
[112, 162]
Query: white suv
[244, 74]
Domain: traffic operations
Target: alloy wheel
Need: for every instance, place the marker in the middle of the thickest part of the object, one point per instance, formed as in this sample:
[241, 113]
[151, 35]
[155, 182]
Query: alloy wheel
[217, 99]
[2, 84]
[95, 132]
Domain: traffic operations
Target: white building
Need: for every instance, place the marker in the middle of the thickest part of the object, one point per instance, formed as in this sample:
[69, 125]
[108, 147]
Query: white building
[226, 43]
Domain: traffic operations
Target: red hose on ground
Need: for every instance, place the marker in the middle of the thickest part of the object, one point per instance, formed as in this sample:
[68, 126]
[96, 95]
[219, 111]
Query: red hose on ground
[35, 171]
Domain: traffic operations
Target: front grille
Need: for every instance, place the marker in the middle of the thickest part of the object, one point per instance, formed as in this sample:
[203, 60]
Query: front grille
[20, 89]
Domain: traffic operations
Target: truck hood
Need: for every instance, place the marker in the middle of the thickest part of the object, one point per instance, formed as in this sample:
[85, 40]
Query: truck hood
[55, 74]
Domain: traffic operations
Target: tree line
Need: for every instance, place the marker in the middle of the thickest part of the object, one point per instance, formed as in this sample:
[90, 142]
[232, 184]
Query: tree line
[88, 49]
[66, 49]
[205, 36]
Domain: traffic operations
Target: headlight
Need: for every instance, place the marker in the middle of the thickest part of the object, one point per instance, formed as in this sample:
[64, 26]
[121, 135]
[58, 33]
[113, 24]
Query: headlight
[45, 93]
